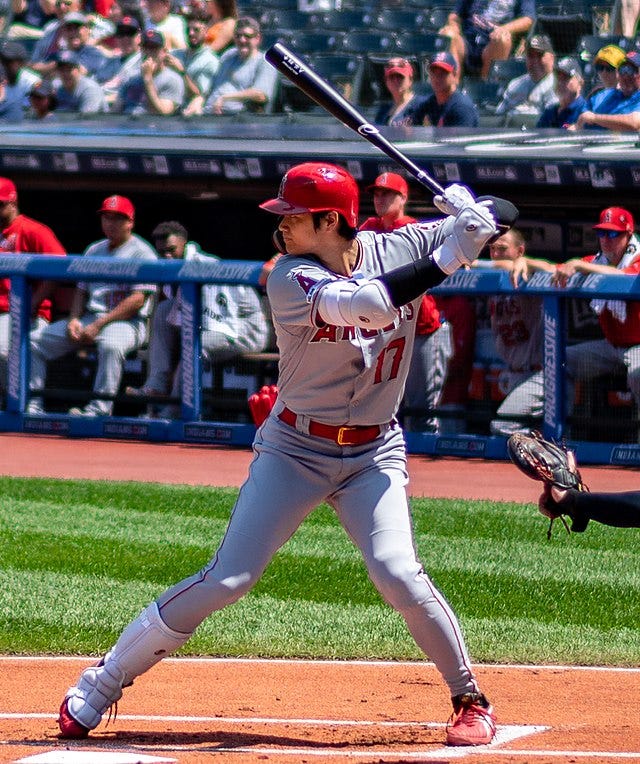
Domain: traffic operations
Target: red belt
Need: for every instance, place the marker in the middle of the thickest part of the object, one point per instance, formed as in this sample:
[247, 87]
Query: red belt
[345, 435]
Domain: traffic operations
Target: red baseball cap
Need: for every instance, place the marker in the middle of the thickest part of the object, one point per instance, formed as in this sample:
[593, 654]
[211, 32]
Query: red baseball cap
[390, 181]
[120, 205]
[616, 219]
[398, 66]
[8, 192]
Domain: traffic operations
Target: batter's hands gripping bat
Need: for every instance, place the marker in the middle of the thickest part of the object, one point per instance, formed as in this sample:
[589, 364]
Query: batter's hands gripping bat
[303, 76]
[320, 91]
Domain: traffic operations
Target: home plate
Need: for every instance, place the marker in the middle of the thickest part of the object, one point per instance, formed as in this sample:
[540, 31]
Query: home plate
[93, 757]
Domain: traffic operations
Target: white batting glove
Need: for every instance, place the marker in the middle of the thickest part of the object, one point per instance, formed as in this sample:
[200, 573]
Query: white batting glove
[474, 226]
[455, 198]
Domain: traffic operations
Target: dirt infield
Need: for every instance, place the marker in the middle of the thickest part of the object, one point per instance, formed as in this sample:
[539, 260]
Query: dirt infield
[193, 711]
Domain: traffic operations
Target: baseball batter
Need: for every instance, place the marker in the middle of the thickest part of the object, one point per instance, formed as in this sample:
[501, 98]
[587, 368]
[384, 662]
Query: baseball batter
[344, 308]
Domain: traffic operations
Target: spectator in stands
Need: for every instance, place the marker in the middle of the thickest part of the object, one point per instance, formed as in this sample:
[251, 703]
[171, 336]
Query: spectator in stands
[448, 106]
[606, 63]
[43, 57]
[43, 101]
[30, 17]
[158, 89]
[111, 316]
[517, 328]
[108, 39]
[619, 108]
[432, 349]
[21, 234]
[76, 92]
[222, 17]
[618, 254]
[20, 80]
[571, 103]
[197, 64]
[532, 92]
[619, 351]
[126, 64]
[244, 81]
[482, 32]
[624, 17]
[170, 25]
[232, 321]
[406, 107]
[75, 38]
[10, 109]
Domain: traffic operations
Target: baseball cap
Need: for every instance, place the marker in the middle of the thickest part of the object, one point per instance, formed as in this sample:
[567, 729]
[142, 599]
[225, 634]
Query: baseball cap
[44, 89]
[68, 58]
[152, 39]
[569, 66]
[633, 58]
[540, 42]
[12, 50]
[398, 66]
[615, 219]
[444, 60]
[611, 54]
[75, 18]
[390, 181]
[120, 205]
[8, 192]
[127, 24]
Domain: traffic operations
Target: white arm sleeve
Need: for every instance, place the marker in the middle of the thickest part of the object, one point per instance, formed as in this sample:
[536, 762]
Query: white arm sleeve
[349, 303]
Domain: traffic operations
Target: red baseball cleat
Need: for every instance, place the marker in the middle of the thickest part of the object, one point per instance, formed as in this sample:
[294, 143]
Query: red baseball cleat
[69, 727]
[473, 721]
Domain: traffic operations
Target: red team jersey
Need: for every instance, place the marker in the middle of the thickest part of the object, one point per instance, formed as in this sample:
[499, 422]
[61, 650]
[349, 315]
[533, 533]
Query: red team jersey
[23, 236]
[429, 315]
[622, 334]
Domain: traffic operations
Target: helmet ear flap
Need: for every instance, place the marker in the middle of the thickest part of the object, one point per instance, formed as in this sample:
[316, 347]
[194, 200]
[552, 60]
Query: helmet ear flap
[278, 241]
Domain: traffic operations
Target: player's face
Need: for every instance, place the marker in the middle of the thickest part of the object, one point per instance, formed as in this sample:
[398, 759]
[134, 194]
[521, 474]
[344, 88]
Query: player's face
[505, 248]
[613, 247]
[299, 233]
[116, 228]
[388, 202]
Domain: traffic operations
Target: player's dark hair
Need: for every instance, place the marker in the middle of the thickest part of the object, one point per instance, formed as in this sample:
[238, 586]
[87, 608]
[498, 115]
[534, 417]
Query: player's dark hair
[344, 229]
[169, 228]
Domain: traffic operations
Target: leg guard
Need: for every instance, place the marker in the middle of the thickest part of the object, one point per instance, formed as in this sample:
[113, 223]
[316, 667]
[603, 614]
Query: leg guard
[143, 643]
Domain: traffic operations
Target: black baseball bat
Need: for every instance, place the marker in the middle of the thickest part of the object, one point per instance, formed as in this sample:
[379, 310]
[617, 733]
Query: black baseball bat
[320, 91]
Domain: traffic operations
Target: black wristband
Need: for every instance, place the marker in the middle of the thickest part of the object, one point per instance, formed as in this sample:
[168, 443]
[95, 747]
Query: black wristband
[410, 281]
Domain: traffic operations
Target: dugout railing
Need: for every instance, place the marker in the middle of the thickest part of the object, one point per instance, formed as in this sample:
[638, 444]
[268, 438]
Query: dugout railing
[211, 413]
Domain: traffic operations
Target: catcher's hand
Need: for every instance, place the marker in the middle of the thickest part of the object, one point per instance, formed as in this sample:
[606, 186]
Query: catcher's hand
[553, 464]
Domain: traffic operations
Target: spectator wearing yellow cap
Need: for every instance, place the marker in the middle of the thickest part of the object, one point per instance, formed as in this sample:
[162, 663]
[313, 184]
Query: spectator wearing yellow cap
[605, 64]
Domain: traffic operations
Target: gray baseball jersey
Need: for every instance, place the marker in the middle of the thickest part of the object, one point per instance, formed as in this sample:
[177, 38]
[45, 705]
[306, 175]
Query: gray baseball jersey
[104, 296]
[346, 374]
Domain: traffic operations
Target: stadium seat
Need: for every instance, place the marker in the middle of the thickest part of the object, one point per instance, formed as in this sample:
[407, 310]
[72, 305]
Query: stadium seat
[343, 70]
[283, 18]
[564, 30]
[502, 72]
[307, 42]
[422, 44]
[344, 20]
[398, 20]
[590, 44]
[370, 41]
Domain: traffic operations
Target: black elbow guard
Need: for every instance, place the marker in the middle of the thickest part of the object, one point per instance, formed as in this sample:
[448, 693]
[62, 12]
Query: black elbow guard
[410, 281]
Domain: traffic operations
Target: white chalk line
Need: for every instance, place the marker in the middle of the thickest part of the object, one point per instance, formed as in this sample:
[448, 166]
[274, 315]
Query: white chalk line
[323, 662]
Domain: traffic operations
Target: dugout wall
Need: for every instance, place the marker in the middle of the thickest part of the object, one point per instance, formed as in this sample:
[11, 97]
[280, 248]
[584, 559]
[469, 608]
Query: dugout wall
[603, 426]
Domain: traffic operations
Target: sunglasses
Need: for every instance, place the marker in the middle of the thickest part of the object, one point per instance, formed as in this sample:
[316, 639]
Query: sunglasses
[605, 68]
[627, 69]
[245, 35]
[609, 234]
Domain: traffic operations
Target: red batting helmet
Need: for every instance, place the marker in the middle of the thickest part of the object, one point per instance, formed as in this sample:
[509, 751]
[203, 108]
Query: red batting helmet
[316, 187]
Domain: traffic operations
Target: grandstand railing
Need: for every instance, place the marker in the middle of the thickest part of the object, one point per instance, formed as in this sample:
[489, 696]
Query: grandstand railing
[190, 426]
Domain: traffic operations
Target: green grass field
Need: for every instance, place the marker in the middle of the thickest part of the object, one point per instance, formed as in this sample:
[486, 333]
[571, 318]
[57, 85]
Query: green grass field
[79, 559]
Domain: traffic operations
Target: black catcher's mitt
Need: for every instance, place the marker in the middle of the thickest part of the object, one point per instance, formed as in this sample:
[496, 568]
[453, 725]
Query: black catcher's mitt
[552, 464]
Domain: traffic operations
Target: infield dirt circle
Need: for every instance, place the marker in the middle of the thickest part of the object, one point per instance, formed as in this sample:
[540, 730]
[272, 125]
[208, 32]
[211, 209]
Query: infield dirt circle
[192, 710]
